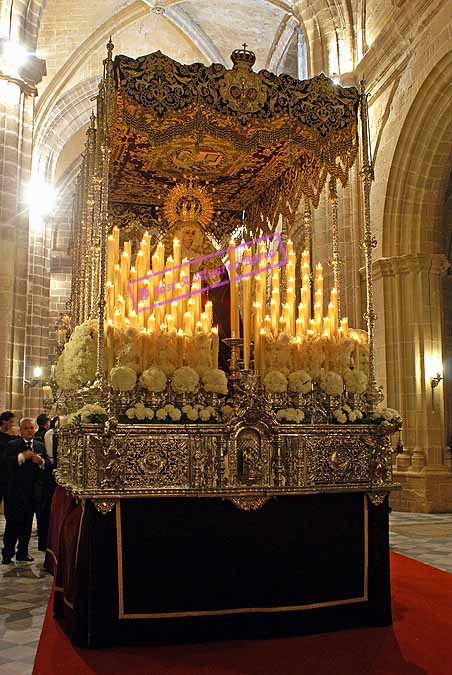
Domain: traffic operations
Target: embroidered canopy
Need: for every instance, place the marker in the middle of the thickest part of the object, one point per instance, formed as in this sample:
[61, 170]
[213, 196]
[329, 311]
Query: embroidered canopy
[257, 140]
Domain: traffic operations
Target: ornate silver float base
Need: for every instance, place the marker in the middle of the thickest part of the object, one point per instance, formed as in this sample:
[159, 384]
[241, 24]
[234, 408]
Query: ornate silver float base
[248, 461]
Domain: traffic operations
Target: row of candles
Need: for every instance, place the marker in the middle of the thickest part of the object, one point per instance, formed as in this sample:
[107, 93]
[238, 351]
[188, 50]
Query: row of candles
[164, 296]
[147, 296]
[257, 324]
[158, 295]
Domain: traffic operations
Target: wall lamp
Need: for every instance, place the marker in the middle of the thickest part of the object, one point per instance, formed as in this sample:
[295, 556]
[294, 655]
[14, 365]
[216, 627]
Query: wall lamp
[434, 368]
[36, 379]
[435, 380]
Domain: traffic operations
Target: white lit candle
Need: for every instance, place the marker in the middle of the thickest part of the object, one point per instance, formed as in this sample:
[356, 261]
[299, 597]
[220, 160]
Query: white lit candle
[188, 323]
[215, 346]
[235, 331]
[246, 316]
[111, 257]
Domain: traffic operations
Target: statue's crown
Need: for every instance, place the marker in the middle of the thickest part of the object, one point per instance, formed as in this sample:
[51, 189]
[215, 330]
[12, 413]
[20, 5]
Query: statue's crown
[189, 209]
[243, 56]
[188, 202]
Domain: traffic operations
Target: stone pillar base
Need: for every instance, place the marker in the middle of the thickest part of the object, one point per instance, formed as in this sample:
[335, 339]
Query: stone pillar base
[423, 492]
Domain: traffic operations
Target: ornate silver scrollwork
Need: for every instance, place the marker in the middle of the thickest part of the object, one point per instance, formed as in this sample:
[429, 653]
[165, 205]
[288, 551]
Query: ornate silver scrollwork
[104, 506]
[249, 502]
[253, 451]
[377, 498]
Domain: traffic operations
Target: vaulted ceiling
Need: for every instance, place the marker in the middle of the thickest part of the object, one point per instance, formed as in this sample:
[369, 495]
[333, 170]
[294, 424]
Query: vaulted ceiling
[186, 30]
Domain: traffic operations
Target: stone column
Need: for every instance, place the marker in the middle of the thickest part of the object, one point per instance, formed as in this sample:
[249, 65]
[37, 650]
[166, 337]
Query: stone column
[410, 333]
[17, 94]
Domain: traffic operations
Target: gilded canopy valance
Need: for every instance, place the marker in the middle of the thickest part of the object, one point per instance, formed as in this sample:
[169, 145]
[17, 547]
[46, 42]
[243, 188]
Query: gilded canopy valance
[260, 140]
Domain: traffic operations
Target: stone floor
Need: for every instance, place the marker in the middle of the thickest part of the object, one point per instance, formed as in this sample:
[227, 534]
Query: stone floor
[424, 537]
[24, 589]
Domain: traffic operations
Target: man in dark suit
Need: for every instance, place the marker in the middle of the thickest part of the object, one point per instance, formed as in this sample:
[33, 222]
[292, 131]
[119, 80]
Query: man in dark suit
[43, 422]
[25, 457]
[7, 421]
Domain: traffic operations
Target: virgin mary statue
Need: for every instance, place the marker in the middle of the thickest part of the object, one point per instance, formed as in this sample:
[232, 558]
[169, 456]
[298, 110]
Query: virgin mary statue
[188, 211]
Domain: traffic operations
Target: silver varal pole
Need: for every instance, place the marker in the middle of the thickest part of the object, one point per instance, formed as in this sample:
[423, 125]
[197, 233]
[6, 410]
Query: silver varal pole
[105, 150]
[369, 243]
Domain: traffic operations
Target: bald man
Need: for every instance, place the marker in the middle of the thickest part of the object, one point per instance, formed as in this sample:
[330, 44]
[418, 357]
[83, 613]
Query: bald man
[25, 457]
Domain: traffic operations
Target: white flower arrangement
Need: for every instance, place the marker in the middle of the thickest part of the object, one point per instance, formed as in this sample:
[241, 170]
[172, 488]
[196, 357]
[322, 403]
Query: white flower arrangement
[77, 364]
[197, 413]
[207, 413]
[123, 378]
[331, 383]
[169, 411]
[300, 382]
[227, 412]
[275, 382]
[185, 380]
[67, 420]
[290, 415]
[154, 380]
[140, 412]
[90, 413]
[345, 414]
[215, 380]
[386, 416]
[191, 412]
[355, 381]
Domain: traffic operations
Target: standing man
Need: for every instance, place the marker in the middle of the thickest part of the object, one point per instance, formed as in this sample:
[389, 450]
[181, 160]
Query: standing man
[24, 461]
[43, 423]
[45, 484]
[7, 421]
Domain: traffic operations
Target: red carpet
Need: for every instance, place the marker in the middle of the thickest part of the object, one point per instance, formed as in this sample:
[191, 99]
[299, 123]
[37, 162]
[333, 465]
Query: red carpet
[420, 641]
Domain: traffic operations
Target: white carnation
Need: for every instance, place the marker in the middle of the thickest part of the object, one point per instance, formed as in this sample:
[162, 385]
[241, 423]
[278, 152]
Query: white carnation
[191, 413]
[67, 420]
[153, 379]
[346, 414]
[331, 383]
[185, 380]
[123, 378]
[388, 415]
[77, 364]
[91, 413]
[215, 380]
[290, 415]
[139, 412]
[275, 382]
[300, 382]
[205, 414]
[227, 411]
[355, 381]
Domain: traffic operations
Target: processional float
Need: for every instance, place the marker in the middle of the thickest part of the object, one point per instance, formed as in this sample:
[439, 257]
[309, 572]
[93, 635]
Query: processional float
[231, 154]
[207, 357]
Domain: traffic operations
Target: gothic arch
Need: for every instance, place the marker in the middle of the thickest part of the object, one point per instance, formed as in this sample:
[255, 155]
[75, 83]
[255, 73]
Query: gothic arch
[420, 169]
[70, 113]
